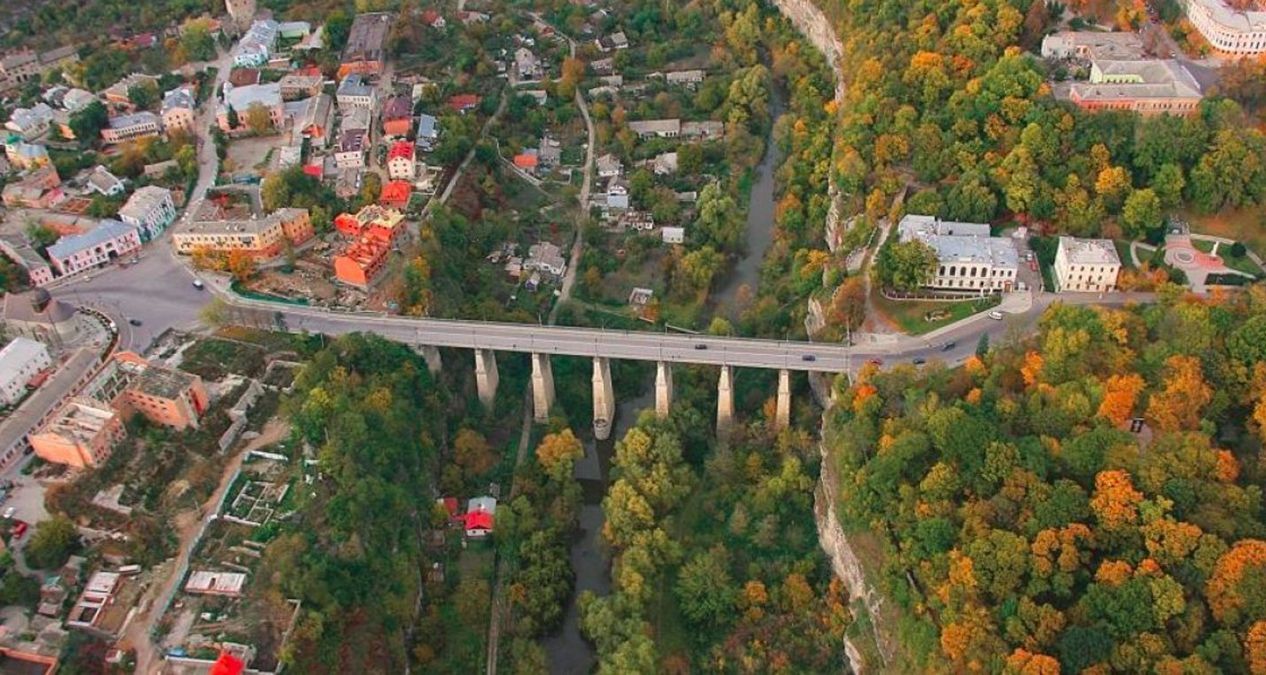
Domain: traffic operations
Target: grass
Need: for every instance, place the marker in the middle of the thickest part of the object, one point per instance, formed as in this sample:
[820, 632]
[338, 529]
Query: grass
[910, 314]
[1246, 225]
[1124, 253]
[1240, 264]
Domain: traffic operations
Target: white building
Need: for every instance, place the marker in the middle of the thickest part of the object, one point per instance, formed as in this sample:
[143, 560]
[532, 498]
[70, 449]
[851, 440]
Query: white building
[673, 235]
[1231, 31]
[354, 92]
[149, 209]
[104, 183]
[608, 166]
[1086, 265]
[20, 361]
[257, 45]
[546, 257]
[30, 123]
[969, 259]
[617, 194]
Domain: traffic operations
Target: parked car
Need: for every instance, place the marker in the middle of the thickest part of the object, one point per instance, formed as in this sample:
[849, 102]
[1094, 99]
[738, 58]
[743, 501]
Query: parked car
[19, 528]
[8, 513]
[948, 346]
[700, 345]
[808, 357]
[919, 360]
[134, 321]
[995, 315]
[197, 283]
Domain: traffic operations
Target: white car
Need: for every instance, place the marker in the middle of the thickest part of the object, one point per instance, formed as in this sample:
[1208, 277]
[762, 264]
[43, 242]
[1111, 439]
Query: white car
[8, 513]
[996, 315]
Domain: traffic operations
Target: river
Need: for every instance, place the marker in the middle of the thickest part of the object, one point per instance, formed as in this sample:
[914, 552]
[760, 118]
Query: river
[567, 651]
[759, 229]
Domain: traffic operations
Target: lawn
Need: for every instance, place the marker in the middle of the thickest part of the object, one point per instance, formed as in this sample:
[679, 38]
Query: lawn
[1240, 264]
[1244, 225]
[911, 315]
[1124, 253]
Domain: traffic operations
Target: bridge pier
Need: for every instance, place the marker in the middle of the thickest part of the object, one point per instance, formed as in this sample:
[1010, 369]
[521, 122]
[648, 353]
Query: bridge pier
[782, 415]
[663, 389]
[542, 386]
[432, 357]
[486, 376]
[603, 399]
[725, 401]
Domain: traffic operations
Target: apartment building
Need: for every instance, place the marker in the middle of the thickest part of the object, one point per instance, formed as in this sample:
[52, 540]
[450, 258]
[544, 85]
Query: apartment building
[401, 164]
[294, 86]
[81, 434]
[969, 259]
[124, 128]
[263, 238]
[166, 396]
[241, 100]
[353, 92]
[41, 405]
[1230, 31]
[1086, 265]
[256, 47]
[179, 110]
[109, 241]
[150, 209]
[366, 44]
[20, 361]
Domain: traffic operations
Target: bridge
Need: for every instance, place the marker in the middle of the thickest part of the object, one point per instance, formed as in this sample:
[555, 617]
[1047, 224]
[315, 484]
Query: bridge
[486, 339]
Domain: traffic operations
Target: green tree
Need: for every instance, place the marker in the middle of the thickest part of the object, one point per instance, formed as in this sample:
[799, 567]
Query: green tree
[905, 266]
[51, 545]
[143, 95]
[1142, 213]
[233, 119]
[705, 590]
[88, 122]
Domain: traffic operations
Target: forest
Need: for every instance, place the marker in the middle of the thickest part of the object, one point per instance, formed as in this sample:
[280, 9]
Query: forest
[943, 97]
[1023, 526]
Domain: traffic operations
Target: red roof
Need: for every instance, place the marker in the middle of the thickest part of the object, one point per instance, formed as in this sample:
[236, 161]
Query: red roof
[479, 520]
[525, 160]
[396, 192]
[315, 170]
[227, 664]
[430, 16]
[400, 149]
[463, 102]
[450, 505]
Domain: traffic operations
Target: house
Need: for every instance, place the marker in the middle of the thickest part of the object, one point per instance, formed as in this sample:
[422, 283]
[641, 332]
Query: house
[294, 30]
[119, 93]
[397, 116]
[969, 259]
[480, 517]
[1233, 30]
[428, 132]
[365, 50]
[256, 47]
[603, 66]
[16, 248]
[81, 434]
[30, 123]
[354, 92]
[550, 153]
[350, 153]
[614, 41]
[159, 169]
[468, 17]
[638, 221]
[123, 128]
[401, 162]
[375, 231]
[227, 584]
[1089, 45]
[539, 96]
[75, 100]
[546, 257]
[673, 235]
[294, 86]
[312, 118]
[433, 19]
[240, 11]
[463, 103]
[667, 128]
[526, 65]
[150, 209]
[664, 164]
[179, 110]
[264, 238]
[25, 156]
[1086, 265]
[38, 189]
[241, 100]
[527, 160]
[617, 194]
[395, 194]
[689, 78]
[639, 297]
[104, 183]
[94, 605]
[356, 118]
[608, 166]
[290, 156]
[100, 246]
[20, 361]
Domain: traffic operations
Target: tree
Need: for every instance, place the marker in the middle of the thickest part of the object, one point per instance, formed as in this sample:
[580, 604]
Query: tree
[232, 118]
[41, 236]
[1119, 396]
[905, 266]
[705, 590]
[472, 453]
[88, 122]
[573, 71]
[338, 25]
[558, 453]
[848, 304]
[1237, 587]
[258, 119]
[51, 545]
[1142, 213]
[982, 346]
[143, 95]
[1179, 405]
[241, 265]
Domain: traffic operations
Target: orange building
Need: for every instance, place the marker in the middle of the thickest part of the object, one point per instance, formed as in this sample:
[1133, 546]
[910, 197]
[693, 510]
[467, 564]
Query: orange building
[172, 398]
[395, 194]
[374, 230]
[82, 434]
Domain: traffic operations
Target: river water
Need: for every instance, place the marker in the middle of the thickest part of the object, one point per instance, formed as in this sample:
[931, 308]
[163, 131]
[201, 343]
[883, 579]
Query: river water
[567, 651]
[759, 232]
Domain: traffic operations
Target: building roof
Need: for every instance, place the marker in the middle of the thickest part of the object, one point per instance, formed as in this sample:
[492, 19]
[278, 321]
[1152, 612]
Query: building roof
[1089, 251]
[241, 77]
[400, 149]
[103, 180]
[26, 118]
[667, 126]
[396, 192]
[80, 419]
[120, 89]
[223, 583]
[352, 140]
[920, 225]
[77, 99]
[242, 98]
[107, 230]
[1241, 20]
[397, 107]
[462, 102]
[1148, 79]
[22, 421]
[133, 120]
[180, 98]
[354, 85]
[21, 307]
[20, 351]
[367, 37]
[1095, 44]
[356, 118]
[959, 242]
[428, 126]
[161, 382]
[528, 159]
[144, 200]
[243, 226]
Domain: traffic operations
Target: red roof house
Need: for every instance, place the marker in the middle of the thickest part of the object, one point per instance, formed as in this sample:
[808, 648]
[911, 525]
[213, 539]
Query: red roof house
[478, 524]
[433, 19]
[227, 664]
[526, 161]
[463, 103]
[395, 194]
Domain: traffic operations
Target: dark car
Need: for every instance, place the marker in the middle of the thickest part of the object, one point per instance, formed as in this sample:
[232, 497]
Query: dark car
[134, 322]
[808, 357]
[700, 346]
[948, 346]
[918, 361]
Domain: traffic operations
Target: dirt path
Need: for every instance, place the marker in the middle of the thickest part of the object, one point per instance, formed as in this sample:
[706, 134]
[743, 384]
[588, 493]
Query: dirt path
[188, 528]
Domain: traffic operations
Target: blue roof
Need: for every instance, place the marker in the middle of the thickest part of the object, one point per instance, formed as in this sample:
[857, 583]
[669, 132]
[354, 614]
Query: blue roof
[427, 126]
[107, 230]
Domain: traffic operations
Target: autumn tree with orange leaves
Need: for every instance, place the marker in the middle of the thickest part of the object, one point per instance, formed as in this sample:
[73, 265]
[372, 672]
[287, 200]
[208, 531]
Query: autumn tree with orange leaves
[1177, 406]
